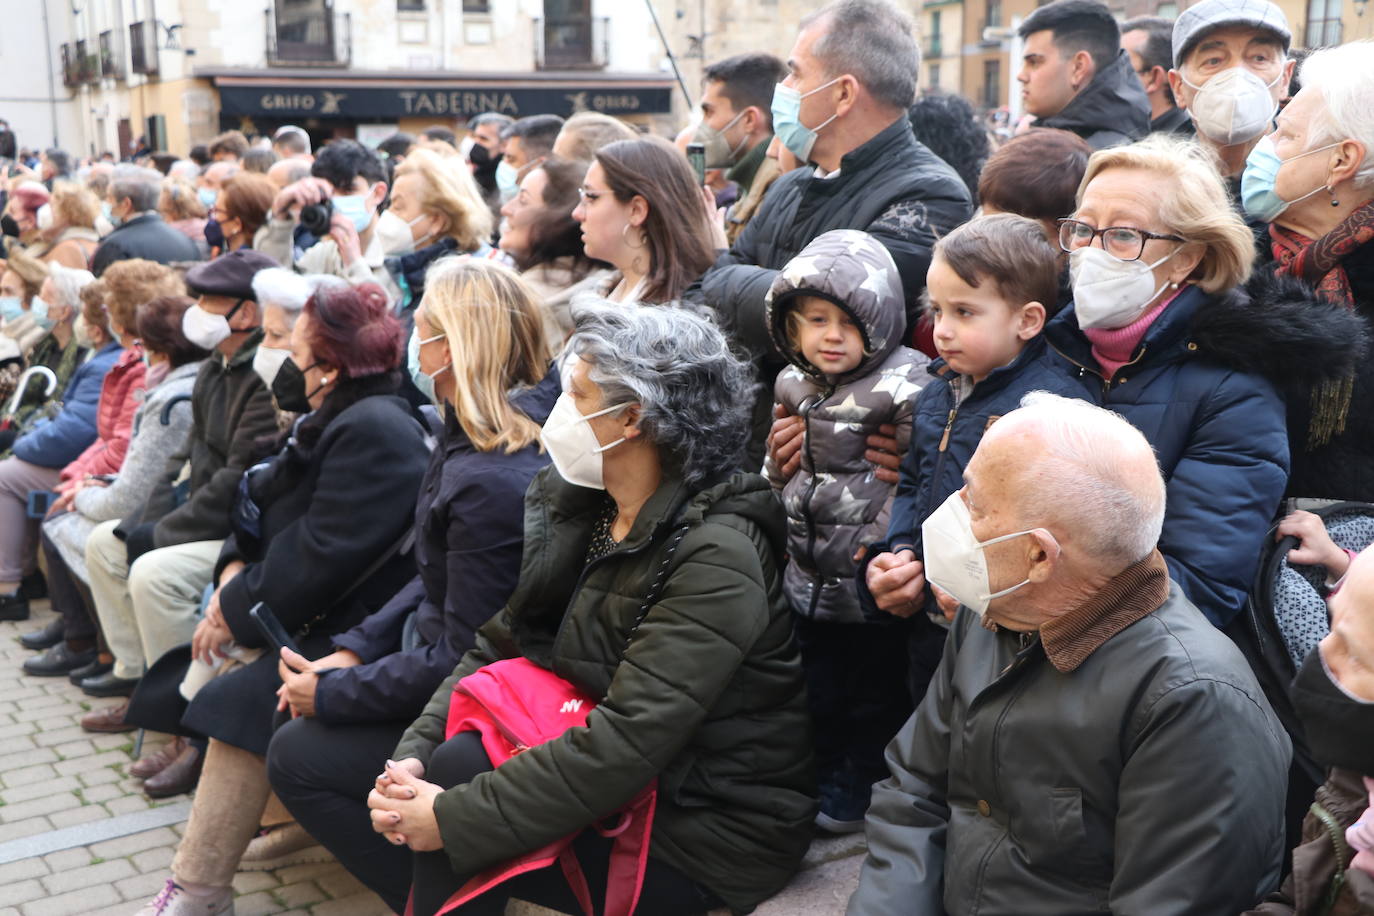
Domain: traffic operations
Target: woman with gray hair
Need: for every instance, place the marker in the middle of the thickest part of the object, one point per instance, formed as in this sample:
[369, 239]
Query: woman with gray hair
[1312, 180]
[651, 581]
[59, 350]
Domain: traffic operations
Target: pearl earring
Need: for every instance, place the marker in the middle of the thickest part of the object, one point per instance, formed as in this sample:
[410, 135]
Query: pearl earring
[1334, 201]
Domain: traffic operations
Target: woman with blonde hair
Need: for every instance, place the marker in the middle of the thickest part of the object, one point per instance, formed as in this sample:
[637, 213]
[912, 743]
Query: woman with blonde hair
[67, 223]
[436, 210]
[183, 210]
[478, 349]
[1167, 328]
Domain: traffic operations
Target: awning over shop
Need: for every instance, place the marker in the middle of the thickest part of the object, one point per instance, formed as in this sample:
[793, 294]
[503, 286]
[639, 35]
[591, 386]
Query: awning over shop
[351, 95]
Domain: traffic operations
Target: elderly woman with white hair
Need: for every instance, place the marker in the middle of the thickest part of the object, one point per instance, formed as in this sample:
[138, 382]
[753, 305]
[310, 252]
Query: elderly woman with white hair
[650, 604]
[1165, 329]
[60, 351]
[1312, 181]
[160, 428]
[282, 295]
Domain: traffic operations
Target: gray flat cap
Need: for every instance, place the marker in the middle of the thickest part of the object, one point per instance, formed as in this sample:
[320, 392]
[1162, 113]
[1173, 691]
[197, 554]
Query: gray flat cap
[1196, 21]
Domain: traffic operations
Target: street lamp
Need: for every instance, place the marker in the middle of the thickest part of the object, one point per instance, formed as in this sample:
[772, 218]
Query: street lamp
[1359, 7]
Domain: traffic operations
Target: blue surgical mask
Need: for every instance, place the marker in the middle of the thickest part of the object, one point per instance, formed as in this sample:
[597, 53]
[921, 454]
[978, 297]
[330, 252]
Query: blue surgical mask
[507, 179]
[106, 212]
[207, 196]
[39, 310]
[1257, 182]
[422, 381]
[10, 308]
[354, 206]
[795, 135]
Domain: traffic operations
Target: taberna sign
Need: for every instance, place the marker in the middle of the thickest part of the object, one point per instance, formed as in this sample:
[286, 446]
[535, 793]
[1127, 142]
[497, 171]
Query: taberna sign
[411, 101]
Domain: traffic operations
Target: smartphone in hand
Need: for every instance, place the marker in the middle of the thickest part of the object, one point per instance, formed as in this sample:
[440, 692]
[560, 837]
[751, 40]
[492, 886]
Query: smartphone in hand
[696, 156]
[271, 628]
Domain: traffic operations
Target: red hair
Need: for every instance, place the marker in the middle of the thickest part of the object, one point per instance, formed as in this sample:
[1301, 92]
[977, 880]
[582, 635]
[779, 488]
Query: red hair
[352, 329]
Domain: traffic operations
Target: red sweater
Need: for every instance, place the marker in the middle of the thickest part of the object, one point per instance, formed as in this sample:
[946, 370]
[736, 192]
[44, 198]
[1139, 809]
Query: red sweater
[114, 419]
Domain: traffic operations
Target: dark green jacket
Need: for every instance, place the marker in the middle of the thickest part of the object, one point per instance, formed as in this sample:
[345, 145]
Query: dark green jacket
[708, 699]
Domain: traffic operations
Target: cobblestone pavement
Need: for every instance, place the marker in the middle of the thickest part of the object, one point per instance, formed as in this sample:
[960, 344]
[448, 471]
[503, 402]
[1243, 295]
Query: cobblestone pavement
[65, 791]
[54, 776]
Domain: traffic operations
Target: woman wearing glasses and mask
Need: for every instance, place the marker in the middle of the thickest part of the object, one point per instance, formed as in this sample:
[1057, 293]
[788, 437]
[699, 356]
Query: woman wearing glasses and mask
[1165, 329]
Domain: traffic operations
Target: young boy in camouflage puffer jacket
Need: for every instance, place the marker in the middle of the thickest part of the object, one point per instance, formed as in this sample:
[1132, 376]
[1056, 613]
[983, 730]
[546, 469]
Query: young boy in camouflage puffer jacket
[836, 313]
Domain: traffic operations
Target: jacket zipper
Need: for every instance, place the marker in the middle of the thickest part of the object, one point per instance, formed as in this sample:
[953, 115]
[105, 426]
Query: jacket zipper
[806, 505]
[1106, 382]
[586, 571]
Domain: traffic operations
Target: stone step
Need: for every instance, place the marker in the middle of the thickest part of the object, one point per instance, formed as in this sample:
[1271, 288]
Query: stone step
[822, 886]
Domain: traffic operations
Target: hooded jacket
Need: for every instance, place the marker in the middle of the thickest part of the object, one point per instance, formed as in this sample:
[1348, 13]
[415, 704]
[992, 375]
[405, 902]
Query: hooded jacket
[1203, 388]
[706, 697]
[834, 503]
[1111, 110]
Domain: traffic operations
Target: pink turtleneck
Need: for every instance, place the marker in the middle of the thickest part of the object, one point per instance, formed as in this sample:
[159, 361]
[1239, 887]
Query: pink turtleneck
[1115, 347]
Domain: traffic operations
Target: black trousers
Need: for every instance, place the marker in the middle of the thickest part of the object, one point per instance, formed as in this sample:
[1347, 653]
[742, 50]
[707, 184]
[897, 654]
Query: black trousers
[856, 683]
[322, 774]
[70, 597]
[666, 891]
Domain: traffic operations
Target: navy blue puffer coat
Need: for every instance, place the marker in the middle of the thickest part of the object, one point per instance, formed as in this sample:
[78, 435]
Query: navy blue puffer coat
[1202, 389]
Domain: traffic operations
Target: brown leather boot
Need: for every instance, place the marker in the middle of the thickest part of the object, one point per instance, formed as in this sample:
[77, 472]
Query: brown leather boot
[156, 763]
[178, 777]
[107, 719]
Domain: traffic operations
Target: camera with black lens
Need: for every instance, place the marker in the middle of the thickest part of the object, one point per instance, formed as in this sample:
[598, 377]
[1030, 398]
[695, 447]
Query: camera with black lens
[316, 218]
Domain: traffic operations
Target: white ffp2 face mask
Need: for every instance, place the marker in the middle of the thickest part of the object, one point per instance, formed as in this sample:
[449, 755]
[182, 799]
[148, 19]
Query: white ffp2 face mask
[1108, 293]
[572, 444]
[205, 329]
[954, 558]
[1233, 107]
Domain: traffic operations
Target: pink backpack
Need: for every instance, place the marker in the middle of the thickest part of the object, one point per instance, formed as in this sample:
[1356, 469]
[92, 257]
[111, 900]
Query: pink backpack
[515, 704]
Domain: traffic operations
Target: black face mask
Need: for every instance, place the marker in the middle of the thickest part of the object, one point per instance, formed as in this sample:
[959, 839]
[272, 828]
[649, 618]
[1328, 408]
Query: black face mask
[288, 387]
[1339, 730]
[214, 234]
[482, 160]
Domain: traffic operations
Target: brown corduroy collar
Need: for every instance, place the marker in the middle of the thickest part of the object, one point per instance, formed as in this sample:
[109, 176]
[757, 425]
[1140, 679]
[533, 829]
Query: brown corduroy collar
[1136, 591]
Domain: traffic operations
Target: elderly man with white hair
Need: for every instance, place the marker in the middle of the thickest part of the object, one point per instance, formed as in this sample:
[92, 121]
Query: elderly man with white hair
[1090, 744]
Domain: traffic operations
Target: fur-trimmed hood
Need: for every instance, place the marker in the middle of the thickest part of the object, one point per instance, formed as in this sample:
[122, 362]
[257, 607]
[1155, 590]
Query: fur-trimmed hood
[1279, 327]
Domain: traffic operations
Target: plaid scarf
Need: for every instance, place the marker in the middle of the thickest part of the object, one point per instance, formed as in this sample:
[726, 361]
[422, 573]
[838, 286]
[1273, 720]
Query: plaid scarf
[1319, 263]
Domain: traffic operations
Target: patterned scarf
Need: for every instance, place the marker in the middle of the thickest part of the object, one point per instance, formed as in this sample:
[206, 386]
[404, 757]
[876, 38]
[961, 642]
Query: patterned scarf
[1319, 263]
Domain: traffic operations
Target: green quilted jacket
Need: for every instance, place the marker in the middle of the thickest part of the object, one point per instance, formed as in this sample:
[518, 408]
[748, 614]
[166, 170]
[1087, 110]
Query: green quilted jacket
[707, 698]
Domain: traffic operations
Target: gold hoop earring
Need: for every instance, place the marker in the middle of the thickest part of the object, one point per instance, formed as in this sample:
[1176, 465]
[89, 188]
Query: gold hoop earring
[625, 237]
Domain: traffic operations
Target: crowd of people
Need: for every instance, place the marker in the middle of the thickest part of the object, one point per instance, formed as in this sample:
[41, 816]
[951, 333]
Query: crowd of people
[471, 505]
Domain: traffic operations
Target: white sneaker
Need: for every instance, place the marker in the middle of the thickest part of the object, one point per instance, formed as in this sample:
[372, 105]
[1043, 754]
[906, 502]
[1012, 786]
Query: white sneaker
[175, 900]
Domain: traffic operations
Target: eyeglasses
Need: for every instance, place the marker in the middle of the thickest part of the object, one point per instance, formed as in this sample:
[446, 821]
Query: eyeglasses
[1125, 243]
[586, 195]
